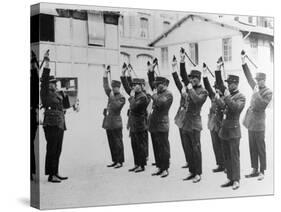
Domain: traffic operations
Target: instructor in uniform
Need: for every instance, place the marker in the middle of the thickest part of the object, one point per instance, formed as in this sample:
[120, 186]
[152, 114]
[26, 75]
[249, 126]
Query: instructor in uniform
[254, 120]
[230, 131]
[112, 121]
[159, 122]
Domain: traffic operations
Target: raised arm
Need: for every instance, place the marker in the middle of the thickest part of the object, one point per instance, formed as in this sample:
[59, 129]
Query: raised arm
[125, 80]
[44, 91]
[183, 73]
[106, 86]
[151, 77]
[175, 74]
[247, 71]
[248, 75]
[207, 84]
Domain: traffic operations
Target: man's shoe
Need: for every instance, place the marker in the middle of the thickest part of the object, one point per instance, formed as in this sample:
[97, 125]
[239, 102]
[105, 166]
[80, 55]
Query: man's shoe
[118, 165]
[235, 185]
[159, 172]
[261, 177]
[139, 169]
[227, 184]
[185, 166]
[253, 174]
[196, 179]
[218, 169]
[190, 177]
[61, 178]
[133, 169]
[53, 179]
[112, 165]
[165, 173]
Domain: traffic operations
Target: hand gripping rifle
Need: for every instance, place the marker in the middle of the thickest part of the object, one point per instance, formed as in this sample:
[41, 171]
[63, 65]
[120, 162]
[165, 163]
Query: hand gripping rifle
[243, 53]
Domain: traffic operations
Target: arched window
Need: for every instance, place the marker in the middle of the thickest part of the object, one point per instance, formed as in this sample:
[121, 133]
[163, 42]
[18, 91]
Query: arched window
[144, 27]
[125, 58]
[142, 62]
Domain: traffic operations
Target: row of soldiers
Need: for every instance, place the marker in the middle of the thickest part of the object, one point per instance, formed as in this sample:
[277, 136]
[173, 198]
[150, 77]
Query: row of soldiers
[223, 123]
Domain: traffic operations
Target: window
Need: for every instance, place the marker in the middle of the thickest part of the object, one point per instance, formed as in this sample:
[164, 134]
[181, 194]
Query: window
[193, 47]
[166, 26]
[164, 57]
[250, 19]
[227, 49]
[42, 28]
[121, 26]
[96, 29]
[236, 18]
[142, 63]
[144, 28]
[254, 47]
[124, 58]
[70, 86]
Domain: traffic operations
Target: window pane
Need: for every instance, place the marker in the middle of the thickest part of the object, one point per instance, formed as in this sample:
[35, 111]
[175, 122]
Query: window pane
[227, 49]
[144, 28]
[96, 28]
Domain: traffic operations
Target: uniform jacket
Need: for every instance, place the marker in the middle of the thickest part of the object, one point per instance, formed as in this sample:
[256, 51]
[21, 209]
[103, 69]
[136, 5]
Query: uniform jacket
[234, 105]
[137, 120]
[216, 111]
[254, 119]
[112, 118]
[52, 102]
[195, 100]
[159, 117]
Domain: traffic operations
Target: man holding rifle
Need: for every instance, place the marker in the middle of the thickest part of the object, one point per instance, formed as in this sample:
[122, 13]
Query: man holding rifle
[192, 126]
[112, 122]
[233, 101]
[137, 118]
[54, 121]
[215, 115]
[159, 121]
[255, 119]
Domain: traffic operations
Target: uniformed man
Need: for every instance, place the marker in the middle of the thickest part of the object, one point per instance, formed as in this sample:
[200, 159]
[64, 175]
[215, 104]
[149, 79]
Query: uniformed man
[180, 115]
[112, 122]
[159, 122]
[54, 122]
[137, 119]
[192, 126]
[254, 120]
[34, 110]
[215, 117]
[230, 132]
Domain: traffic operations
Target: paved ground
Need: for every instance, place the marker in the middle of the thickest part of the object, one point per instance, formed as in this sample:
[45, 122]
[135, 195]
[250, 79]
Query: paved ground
[86, 154]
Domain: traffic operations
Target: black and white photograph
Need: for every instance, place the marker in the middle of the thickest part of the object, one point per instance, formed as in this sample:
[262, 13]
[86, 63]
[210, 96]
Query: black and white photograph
[142, 105]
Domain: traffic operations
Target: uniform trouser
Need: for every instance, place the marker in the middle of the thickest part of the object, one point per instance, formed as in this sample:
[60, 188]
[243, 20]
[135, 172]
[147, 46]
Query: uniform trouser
[232, 158]
[33, 130]
[54, 138]
[192, 139]
[115, 141]
[161, 149]
[139, 147]
[257, 149]
[184, 145]
[217, 147]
